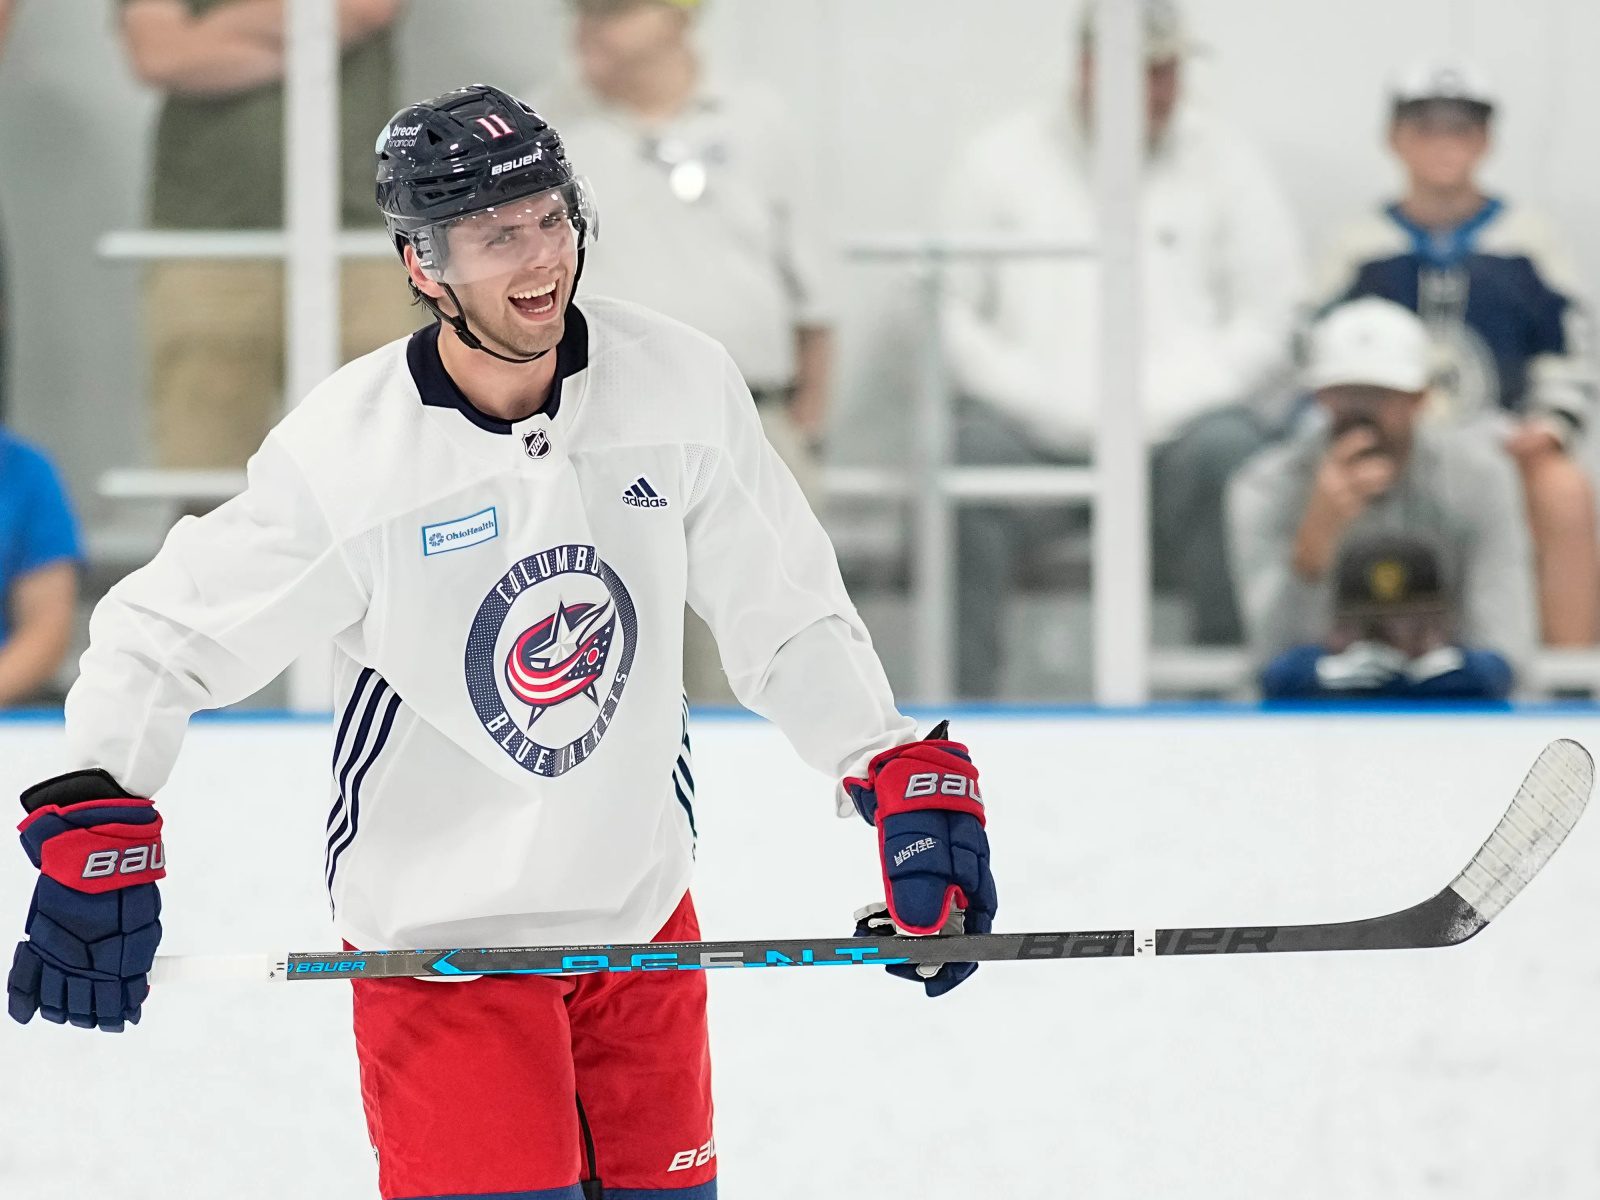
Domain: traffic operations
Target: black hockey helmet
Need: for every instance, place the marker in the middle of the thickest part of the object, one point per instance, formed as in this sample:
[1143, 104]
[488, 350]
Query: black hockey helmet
[463, 152]
[466, 152]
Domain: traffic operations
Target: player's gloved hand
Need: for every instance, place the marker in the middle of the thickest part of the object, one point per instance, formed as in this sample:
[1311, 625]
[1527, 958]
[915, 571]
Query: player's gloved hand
[93, 926]
[923, 798]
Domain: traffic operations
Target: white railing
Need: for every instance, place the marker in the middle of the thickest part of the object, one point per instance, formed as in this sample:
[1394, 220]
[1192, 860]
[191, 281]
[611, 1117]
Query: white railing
[167, 245]
[935, 485]
[1118, 484]
[311, 247]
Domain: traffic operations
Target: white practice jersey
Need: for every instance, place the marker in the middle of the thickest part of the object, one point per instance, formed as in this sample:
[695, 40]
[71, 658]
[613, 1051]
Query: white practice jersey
[506, 606]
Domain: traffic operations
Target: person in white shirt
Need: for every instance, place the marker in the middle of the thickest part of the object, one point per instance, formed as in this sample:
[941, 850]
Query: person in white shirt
[1222, 271]
[497, 523]
[713, 219]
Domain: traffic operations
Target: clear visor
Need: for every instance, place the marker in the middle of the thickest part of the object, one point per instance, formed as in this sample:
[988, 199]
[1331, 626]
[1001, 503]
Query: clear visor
[543, 229]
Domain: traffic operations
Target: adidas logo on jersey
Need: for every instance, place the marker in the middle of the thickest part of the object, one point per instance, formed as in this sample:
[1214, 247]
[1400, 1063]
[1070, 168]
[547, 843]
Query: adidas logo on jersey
[642, 495]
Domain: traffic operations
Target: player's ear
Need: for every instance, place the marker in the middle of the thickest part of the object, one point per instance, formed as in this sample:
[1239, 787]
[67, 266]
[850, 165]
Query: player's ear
[419, 278]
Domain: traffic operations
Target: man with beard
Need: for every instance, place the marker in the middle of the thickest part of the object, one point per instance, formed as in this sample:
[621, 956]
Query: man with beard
[1370, 465]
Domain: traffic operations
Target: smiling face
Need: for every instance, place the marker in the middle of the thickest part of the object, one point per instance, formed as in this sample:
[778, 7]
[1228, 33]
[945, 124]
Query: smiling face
[512, 269]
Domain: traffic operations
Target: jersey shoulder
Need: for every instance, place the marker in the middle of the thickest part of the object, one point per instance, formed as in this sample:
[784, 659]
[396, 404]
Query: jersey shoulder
[1371, 237]
[363, 445]
[348, 410]
[652, 378]
[628, 330]
[1523, 232]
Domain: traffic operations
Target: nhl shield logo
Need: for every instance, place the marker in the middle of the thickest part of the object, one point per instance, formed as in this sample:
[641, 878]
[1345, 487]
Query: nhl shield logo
[548, 657]
[536, 443]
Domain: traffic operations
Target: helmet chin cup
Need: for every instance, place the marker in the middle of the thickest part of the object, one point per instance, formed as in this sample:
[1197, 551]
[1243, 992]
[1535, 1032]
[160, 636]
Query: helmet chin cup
[458, 322]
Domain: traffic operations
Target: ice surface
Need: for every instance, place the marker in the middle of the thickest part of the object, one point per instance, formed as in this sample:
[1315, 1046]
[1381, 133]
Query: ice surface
[1463, 1073]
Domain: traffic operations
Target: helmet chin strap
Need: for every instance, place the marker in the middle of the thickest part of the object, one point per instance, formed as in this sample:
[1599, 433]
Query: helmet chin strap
[458, 322]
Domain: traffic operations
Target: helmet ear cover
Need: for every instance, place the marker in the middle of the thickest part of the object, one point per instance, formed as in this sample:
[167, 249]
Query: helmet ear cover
[429, 251]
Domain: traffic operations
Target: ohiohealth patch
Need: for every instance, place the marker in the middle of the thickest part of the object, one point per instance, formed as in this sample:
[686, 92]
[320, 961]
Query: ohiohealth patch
[446, 536]
[548, 657]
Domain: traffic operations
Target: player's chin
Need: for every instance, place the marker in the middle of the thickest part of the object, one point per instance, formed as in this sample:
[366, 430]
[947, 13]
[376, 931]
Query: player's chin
[524, 339]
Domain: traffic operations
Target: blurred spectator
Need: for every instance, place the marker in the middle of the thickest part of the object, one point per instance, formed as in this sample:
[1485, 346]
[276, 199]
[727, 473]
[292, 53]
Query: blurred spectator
[1497, 290]
[215, 329]
[709, 206]
[1393, 635]
[1370, 465]
[39, 552]
[1222, 269]
[6, 10]
[710, 218]
[39, 558]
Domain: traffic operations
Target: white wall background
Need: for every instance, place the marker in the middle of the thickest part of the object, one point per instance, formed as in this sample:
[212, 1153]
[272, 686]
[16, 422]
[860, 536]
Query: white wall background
[891, 87]
[1471, 1073]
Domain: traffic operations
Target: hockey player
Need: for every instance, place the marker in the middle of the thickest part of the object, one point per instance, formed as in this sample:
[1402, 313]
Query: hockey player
[497, 523]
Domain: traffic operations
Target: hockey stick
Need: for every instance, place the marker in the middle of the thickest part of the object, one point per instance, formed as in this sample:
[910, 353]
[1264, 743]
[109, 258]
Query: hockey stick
[1545, 809]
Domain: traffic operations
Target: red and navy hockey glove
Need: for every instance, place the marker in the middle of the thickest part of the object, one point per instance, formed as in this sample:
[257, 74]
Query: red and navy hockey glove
[94, 923]
[923, 798]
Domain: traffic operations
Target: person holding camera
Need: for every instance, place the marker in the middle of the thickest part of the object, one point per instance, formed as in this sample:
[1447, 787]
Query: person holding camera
[1511, 328]
[1368, 465]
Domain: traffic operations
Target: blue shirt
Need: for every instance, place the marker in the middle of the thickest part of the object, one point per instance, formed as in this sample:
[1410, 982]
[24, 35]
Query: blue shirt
[37, 527]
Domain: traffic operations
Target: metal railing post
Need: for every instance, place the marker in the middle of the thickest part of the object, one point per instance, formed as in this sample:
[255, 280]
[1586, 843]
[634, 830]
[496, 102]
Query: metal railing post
[935, 487]
[311, 224]
[1121, 516]
[934, 544]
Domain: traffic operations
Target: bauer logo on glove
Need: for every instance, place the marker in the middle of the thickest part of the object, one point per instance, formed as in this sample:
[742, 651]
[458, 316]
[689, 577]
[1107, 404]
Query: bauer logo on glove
[95, 920]
[924, 801]
[931, 783]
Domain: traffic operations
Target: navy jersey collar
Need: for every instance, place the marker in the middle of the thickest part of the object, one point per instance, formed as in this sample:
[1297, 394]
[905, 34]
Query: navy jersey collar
[438, 390]
[1446, 248]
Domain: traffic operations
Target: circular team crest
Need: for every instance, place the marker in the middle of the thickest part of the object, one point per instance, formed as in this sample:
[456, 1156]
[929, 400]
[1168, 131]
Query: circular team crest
[548, 657]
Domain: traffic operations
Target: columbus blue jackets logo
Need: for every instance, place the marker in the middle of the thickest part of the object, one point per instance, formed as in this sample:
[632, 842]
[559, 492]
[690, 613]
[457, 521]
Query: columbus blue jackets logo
[549, 655]
[562, 656]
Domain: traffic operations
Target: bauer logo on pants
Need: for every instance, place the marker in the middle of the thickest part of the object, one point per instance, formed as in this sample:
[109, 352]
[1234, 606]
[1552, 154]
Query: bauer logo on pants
[549, 655]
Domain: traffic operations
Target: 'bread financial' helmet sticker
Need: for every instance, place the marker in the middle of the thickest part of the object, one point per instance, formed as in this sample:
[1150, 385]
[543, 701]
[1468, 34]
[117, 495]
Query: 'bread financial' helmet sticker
[549, 655]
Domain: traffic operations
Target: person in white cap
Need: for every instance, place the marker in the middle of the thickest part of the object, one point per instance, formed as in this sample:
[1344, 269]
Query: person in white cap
[1370, 465]
[1511, 334]
[1222, 270]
